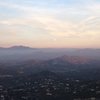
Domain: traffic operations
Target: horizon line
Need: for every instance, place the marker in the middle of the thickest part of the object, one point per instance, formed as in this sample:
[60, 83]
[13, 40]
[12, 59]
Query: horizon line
[48, 47]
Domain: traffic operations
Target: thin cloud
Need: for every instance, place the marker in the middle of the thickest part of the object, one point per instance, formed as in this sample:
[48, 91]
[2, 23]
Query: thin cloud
[80, 21]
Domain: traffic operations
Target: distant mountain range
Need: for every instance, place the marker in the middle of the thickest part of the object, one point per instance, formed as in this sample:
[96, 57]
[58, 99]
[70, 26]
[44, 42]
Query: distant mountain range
[24, 53]
[71, 49]
[26, 60]
[17, 48]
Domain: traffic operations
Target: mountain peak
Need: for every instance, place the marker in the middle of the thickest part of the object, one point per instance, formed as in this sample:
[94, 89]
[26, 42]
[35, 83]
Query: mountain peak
[20, 47]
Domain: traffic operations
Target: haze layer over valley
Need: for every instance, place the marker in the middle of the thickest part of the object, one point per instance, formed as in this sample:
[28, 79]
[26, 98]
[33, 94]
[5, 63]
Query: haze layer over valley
[23, 53]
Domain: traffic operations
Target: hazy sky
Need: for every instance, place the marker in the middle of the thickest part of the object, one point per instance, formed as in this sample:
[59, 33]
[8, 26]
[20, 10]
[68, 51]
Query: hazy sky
[50, 23]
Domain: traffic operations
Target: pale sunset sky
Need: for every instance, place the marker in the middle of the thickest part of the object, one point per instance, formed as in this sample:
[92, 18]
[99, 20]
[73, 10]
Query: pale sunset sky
[50, 23]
